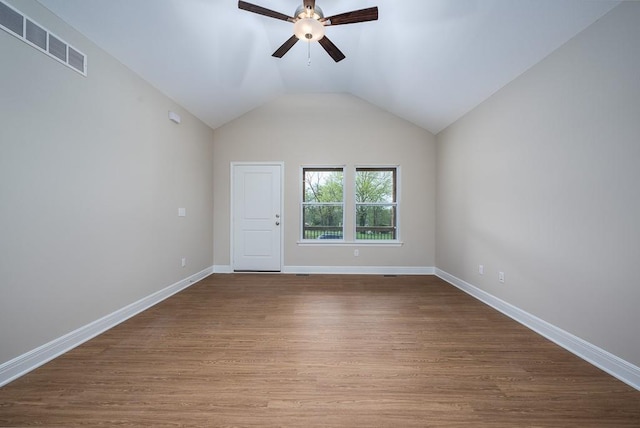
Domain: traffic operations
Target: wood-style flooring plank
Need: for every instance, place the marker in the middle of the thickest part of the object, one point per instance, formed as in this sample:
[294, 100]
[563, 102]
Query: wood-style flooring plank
[319, 351]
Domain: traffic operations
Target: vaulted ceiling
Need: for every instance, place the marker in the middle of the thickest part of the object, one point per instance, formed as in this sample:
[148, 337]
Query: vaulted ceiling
[427, 61]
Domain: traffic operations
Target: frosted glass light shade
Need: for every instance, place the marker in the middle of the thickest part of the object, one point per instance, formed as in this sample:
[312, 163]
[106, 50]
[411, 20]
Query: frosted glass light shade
[308, 29]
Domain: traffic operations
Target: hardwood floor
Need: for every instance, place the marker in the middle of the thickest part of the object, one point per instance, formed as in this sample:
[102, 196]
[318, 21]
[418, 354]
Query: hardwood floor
[319, 351]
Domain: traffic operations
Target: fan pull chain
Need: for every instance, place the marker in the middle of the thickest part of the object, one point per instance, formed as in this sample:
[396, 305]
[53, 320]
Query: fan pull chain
[309, 53]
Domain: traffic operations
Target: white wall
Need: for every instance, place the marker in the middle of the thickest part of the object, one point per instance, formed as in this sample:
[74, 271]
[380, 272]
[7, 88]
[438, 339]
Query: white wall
[541, 181]
[91, 177]
[331, 129]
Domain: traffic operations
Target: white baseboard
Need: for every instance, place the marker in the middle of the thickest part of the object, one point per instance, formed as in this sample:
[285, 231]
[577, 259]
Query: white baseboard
[33, 359]
[360, 270]
[345, 270]
[222, 269]
[615, 366]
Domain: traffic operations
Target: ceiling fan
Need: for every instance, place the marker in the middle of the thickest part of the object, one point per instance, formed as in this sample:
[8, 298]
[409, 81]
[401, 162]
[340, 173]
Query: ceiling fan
[309, 22]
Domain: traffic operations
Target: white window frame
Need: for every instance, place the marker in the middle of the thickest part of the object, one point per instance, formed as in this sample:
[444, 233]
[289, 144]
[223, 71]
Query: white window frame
[395, 204]
[303, 204]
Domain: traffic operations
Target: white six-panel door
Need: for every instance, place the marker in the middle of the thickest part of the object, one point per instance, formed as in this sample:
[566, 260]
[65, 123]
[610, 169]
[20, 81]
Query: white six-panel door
[256, 217]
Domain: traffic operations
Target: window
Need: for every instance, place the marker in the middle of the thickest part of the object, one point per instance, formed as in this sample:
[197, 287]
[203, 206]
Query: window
[323, 203]
[376, 204]
[371, 206]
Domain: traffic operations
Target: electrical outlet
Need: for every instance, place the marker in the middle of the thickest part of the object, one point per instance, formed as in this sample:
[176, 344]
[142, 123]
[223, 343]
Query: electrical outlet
[501, 276]
[356, 252]
[481, 269]
[184, 261]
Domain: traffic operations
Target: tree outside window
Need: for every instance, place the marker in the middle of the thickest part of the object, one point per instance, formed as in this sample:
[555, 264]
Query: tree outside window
[376, 203]
[323, 203]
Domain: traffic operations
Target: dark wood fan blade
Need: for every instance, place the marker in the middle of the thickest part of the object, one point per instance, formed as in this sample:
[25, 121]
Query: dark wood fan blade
[263, 11]
[362, 15]
[331, 49]
[285, 47]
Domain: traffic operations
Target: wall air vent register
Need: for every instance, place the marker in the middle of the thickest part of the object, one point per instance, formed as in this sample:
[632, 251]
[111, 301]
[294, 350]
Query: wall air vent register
[27, 30]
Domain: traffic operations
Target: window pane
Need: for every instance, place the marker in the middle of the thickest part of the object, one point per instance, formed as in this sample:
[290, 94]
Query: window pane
[375, 221]
[375, 185]
[322, 221]
[323, 185]
[376, 203]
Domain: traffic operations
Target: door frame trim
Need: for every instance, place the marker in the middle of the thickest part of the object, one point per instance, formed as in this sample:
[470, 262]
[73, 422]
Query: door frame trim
[233, 164]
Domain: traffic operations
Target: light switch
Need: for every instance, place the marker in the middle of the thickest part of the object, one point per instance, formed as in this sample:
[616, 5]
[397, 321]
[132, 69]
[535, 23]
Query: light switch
[182, 212]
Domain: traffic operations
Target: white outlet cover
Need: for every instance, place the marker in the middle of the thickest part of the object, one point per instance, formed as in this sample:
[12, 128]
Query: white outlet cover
[182, 212]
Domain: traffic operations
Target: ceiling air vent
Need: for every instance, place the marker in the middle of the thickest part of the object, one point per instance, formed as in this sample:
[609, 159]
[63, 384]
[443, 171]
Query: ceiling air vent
[27, 30]
[11, 20]
[36, 35]
[57, 48]
[76, 60]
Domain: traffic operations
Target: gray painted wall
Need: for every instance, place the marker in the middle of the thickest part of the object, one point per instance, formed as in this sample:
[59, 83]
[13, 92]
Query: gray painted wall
[542, 182]
[331, 129]
[92, 173]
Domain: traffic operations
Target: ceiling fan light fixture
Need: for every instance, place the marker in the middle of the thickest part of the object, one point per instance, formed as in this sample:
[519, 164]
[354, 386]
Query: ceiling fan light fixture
[309, 25]
[308, 29]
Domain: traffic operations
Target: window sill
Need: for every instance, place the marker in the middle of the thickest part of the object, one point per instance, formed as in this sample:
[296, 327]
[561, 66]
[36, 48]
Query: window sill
[343, 243]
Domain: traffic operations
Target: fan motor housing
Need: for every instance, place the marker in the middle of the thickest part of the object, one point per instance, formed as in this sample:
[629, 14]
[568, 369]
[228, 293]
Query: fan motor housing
[301, 12]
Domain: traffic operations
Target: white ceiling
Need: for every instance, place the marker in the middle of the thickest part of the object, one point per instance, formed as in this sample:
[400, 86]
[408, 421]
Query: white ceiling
[427, 61]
